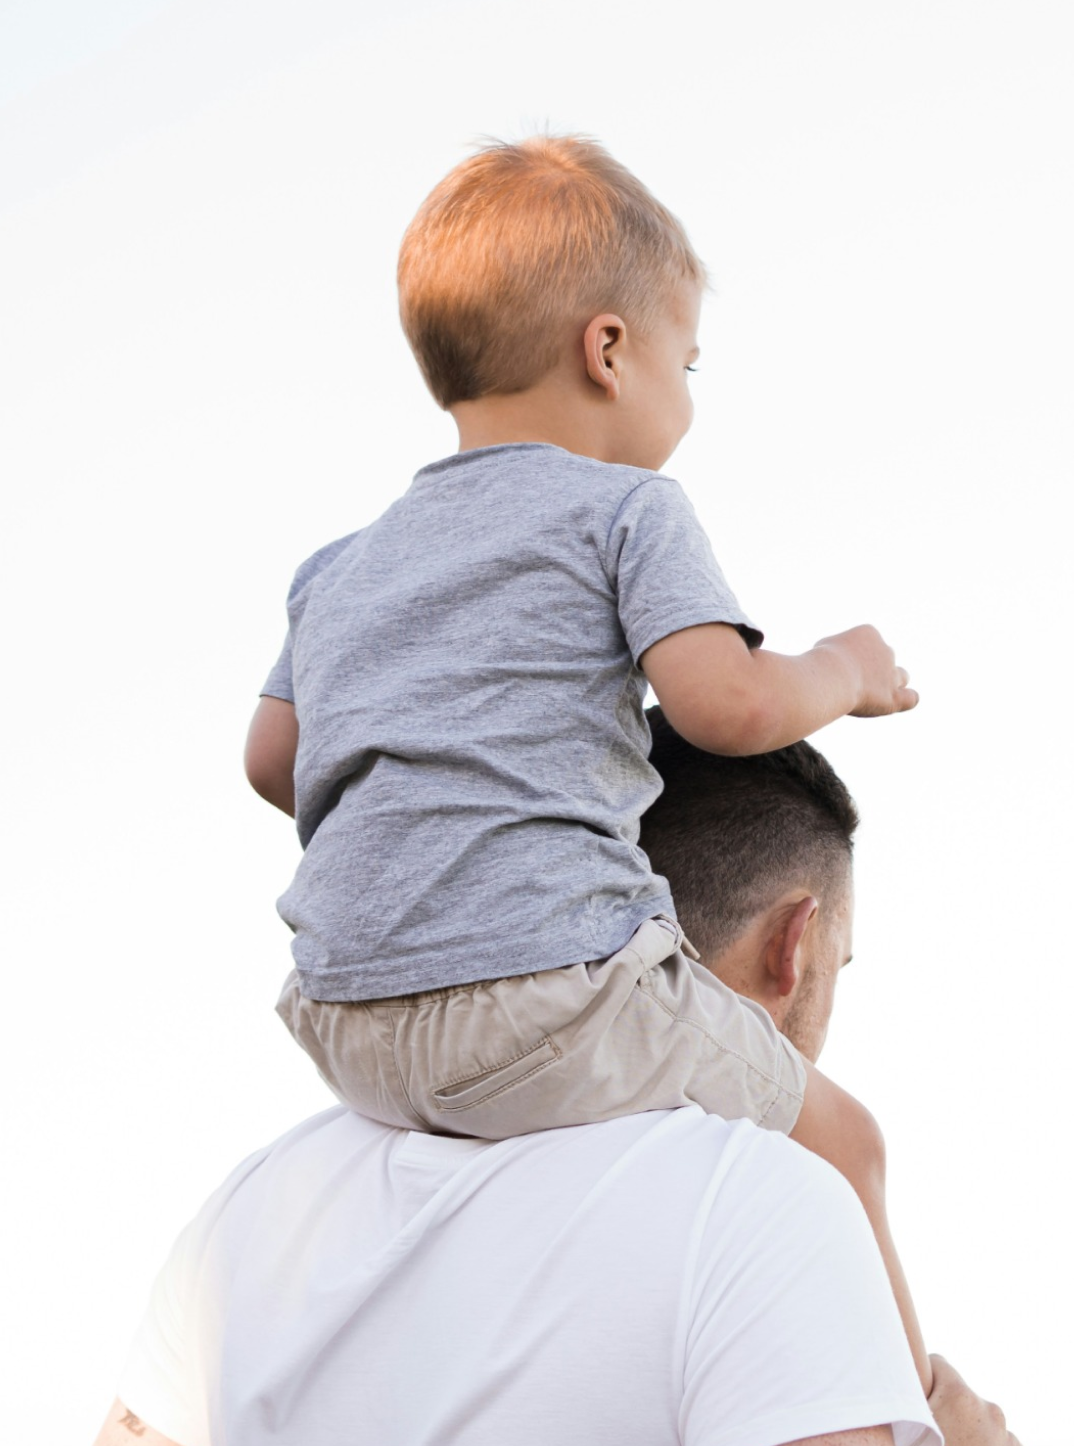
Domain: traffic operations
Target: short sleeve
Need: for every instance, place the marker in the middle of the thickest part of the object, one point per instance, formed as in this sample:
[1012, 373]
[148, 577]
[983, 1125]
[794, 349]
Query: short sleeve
[792, 1330]
[164, 1380]
[159, 1382]
[280, 681]
[661, 564]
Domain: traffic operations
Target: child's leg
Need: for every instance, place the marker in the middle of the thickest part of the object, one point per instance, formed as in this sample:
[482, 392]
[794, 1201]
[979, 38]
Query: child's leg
[646, 1029]
[352, 1046]
[642, 1030]
[835, 1126]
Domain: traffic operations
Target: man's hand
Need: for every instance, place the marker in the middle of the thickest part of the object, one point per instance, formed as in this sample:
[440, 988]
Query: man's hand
[881, 684]
[124, 1428]
[961, 1415]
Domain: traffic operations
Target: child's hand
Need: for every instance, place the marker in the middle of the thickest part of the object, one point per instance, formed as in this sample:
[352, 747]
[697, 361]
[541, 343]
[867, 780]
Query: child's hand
[881, 683]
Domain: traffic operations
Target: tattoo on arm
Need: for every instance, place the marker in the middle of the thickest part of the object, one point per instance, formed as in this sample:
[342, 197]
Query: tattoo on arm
[135, 1426]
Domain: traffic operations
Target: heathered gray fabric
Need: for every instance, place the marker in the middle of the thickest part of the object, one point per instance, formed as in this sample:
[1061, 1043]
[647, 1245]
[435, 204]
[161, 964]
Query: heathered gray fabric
[472, 761]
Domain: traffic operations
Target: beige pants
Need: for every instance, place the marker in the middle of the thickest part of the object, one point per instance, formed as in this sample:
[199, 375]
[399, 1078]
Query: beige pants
[647, 1029]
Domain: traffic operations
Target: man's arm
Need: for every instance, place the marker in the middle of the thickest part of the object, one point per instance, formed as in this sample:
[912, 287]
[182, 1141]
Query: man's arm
[271, 745]
[123, 1428]
[963, 1417]
[835, 1126]
[839, 1129]
[727, 698]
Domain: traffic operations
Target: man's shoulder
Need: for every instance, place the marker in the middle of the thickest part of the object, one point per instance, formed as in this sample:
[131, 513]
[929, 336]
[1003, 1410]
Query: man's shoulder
[682, 1160]
[675, 1131]
[741, 1149]
[647, 1148]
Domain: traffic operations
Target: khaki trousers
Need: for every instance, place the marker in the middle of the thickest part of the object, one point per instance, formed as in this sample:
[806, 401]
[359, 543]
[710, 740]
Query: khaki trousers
[647, 1029]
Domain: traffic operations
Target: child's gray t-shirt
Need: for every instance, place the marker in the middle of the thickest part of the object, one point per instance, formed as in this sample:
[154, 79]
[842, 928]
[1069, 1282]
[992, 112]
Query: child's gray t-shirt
[473, 754]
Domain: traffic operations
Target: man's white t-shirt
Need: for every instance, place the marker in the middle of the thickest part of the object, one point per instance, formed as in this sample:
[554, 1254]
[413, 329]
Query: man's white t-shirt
[663, 1278]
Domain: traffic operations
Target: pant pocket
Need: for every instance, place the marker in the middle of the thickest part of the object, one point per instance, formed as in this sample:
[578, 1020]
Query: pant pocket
[476, 1088]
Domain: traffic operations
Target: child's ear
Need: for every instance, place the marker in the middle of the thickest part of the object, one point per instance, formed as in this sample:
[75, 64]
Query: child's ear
[604, 337]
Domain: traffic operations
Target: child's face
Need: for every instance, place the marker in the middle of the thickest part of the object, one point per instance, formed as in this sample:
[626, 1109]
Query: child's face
[655, 401]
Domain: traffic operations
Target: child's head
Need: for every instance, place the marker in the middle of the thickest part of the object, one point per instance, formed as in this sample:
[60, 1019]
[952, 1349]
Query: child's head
[516, 250]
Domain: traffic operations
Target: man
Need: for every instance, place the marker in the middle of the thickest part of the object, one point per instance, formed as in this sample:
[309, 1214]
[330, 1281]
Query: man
[661, 1278]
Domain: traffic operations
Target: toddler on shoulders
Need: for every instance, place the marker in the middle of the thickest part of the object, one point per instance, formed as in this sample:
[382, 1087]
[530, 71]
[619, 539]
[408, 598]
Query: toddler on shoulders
[456, 721]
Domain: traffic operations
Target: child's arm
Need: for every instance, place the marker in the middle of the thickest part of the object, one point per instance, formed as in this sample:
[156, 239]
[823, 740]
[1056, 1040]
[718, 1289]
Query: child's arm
[835, 1126]
[725, 697]
[271, 745]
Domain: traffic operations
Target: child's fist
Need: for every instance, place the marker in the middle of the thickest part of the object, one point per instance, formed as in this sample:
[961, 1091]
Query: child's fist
[881, 683]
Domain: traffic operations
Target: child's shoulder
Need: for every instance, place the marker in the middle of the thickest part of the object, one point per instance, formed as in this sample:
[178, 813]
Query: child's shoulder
[575, 472]
[317, 562]
[622, 488]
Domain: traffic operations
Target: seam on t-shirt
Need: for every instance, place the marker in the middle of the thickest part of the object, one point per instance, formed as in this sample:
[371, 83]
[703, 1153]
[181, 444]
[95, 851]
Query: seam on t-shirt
[311, 567]
[276, 690]
[821, 1418]
[648, 477]
[675, 619]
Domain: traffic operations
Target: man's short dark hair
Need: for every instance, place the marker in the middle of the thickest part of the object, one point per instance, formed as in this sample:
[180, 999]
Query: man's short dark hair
[729, 834]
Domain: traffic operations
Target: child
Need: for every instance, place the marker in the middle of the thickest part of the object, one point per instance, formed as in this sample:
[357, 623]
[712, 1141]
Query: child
[456, 721]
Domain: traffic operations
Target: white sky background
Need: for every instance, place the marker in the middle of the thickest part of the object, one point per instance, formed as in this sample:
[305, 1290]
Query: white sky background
[202, 380]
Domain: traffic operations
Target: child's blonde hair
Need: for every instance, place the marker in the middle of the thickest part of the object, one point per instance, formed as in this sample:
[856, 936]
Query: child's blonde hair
[519, 243]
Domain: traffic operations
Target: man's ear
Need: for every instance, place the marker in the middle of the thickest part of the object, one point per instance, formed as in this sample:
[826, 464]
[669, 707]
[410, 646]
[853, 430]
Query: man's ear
[783, 956]
[604, 337]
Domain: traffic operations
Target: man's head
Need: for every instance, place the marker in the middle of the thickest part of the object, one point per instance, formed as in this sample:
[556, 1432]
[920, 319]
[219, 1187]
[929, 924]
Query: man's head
[758, 854]
[519, 249]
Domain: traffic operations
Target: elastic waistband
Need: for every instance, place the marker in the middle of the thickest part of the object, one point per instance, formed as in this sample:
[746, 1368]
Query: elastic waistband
[432, 996]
